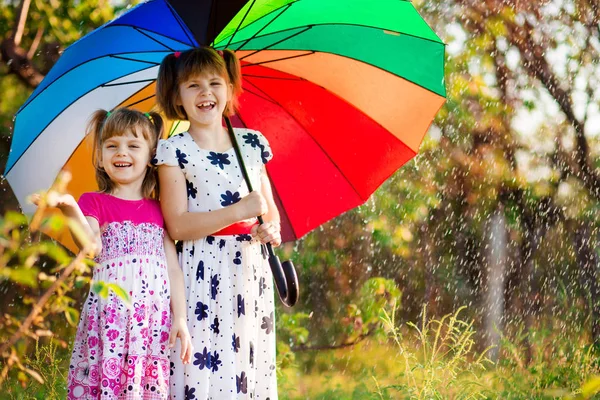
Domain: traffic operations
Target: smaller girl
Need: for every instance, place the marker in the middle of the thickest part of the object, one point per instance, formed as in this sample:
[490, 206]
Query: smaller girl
[123, 352]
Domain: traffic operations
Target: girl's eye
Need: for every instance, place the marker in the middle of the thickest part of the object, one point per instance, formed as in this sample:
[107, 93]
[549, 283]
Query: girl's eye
[216, 83]
[192, 85]
[134, 146]
[111, 146]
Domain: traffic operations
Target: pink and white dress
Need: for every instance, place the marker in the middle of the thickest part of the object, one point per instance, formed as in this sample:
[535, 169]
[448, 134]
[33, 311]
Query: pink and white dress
[122, 352]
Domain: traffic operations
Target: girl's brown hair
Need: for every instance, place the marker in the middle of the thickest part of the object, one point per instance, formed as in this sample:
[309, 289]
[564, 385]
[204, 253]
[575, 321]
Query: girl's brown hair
[179, 67]
[104, 125]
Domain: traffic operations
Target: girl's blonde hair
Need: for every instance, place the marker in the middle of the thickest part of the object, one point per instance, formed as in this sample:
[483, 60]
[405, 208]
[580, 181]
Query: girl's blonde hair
[104, 125]
[178, 67]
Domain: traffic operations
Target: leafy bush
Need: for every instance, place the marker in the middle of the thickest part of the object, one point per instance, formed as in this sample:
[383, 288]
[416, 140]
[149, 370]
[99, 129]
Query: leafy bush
[40, 278]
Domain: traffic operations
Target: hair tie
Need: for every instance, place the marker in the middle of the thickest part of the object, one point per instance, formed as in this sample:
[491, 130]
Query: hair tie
[108, 114]
[177, 54]
[149, 117]
[220, 52]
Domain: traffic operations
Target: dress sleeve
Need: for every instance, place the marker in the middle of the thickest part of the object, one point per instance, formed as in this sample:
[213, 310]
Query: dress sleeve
[266, 153]
[165, 154]
[90, 206]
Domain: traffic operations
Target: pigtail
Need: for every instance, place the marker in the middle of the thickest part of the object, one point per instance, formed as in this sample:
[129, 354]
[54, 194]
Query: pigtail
[234, 72]
[157, 123]
[167, 90]
[94, 134]
[150, 188]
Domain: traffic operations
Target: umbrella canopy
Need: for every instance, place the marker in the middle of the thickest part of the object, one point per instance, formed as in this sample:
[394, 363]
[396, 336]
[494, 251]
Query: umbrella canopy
[343, 90]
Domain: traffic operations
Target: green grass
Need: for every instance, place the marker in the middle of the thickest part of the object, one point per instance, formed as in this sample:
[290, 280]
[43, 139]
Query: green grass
[437, 359]
[51, 364]
[432, 359]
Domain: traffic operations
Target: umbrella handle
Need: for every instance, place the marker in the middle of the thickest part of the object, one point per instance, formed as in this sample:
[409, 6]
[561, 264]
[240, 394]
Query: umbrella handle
[284, 275]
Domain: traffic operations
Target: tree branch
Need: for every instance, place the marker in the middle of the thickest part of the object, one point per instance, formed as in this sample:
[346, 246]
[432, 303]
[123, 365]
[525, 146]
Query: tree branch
[18, 62]
[332, 346]
[36, 42]
[38, 307]
[15, 57]
[20, 22]
[536, 65]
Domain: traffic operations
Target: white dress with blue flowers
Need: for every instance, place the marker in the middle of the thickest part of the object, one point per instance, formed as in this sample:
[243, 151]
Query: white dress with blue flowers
[228, 281]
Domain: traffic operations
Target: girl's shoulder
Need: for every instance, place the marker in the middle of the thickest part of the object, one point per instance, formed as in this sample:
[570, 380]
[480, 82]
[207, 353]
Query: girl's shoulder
[244, 131]
[92, 199]
[255, 140]
[91, 195]
[171, 151]
[176, 139]
[107, 208]
[250, 136]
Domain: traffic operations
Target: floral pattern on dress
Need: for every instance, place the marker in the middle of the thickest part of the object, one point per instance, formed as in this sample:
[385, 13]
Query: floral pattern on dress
[121, 352]
[228, 282]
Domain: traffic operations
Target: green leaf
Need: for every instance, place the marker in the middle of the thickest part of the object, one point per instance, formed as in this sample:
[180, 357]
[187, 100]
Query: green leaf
[120, 292]
[25, 276]
[72, 315]
[15, 218]
[54, 222]
[81, 281]
[100, 288]
[55, 251]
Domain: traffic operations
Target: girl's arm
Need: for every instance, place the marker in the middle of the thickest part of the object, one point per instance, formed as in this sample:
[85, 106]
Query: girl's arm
[179, 326]
[69, 207]
[270, 230]
[185, 225]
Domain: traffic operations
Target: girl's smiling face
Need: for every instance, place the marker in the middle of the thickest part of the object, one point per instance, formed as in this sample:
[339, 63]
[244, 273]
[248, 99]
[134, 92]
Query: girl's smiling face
[125, 158]
[204, 97]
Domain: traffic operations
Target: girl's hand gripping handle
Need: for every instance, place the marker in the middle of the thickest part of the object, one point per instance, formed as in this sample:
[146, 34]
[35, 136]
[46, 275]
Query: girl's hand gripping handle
[252, 206]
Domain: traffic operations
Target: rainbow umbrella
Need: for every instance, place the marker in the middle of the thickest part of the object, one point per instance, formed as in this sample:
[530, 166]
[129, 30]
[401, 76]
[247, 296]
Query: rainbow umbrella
[343, 90]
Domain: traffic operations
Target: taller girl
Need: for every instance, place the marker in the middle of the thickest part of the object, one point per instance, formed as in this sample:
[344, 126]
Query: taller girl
[206, 205]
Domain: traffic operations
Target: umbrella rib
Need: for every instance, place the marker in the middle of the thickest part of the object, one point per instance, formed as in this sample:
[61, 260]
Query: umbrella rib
[240, 24]
[315, 141]
[307, 28]
[137, 28]
[277, 59]
[285, 8]
[350, 58]
[266, 95]
[341, 24]
[127, 83]
[173, 127]
[140, 101]
[56, 116]
[29, 100]
[133, 59]
[151, 38]
[260, 19]
[181, 24]
[260, 96]
[279, 78]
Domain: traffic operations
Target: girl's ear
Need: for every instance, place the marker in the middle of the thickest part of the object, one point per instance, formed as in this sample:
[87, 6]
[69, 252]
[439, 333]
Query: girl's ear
[229, 91]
